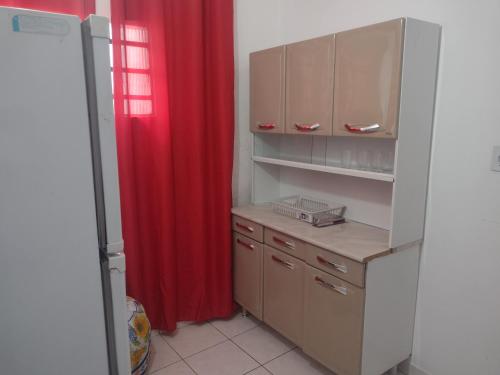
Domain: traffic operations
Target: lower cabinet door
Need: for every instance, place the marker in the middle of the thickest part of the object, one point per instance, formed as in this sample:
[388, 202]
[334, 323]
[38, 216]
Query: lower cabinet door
[333, 322]
[247, 277]
[284, 293]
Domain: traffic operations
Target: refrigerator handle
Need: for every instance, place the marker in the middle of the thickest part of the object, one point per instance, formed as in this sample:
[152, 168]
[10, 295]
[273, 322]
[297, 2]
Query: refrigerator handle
[115, 247]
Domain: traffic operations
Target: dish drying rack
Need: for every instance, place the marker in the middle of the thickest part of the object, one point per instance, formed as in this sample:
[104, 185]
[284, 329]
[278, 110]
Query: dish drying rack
[306, 208]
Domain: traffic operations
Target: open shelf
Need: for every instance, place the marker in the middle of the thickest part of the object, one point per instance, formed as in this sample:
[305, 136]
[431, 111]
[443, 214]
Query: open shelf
[326, 169]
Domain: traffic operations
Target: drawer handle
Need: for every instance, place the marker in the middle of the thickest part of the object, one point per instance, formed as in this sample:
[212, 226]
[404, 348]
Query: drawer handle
[338, 267]
[372, 128]
[247, 245]
[266, 125]
[246, 227]
[286, 264]
[288, 244]
[338, 289]
[307, 127]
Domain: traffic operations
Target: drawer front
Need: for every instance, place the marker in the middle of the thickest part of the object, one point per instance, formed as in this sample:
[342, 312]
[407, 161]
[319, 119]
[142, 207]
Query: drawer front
[284, 293]
[247, 277]
[337, 265]
[285, 243]
[248, 228]
[333, 321]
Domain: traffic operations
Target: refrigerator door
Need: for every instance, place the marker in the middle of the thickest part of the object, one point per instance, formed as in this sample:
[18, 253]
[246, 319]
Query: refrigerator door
[51, 305]
[96, 41]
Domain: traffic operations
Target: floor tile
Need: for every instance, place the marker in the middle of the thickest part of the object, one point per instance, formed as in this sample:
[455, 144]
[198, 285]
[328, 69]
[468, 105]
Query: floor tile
[162, 354]
[154, 332]
[178, 368]
[222, 359]
[194, 338]
[259, 371]
[235, 325]
[183, 324]
[263, 344]
[296, 363]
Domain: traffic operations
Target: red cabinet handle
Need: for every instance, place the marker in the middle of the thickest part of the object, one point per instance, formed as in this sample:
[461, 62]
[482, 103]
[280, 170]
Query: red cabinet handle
[338, 267]
[338, 289]
[307, 127]
[372, 128]
[247, 245]
[288, 265]
[281, 242]
[246, 227]
[266, 125]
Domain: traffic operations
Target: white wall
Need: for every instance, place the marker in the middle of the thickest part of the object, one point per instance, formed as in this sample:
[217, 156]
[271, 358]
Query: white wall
[257, 26]
[458, 312]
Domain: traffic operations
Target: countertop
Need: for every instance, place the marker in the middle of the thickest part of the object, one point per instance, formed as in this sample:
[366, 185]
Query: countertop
[357, 241]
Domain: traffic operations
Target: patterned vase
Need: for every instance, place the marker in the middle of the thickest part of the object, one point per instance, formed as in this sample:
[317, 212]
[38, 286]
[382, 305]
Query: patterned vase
[139, 333]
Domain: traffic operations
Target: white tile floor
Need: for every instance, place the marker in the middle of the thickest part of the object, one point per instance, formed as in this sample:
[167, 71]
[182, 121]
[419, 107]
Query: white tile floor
[237, 346]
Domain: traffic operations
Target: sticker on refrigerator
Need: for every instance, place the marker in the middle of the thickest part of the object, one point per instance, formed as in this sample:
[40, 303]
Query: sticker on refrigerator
[24, 23]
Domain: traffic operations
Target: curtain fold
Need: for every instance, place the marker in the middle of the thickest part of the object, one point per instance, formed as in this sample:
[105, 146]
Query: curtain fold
[174, 77]
[81, 8]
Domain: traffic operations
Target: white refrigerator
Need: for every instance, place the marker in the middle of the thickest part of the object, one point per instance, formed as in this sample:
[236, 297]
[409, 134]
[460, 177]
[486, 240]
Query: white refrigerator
[62, 267]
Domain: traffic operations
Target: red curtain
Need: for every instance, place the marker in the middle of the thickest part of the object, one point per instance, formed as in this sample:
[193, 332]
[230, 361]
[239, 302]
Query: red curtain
[81, 8]
[174, 104]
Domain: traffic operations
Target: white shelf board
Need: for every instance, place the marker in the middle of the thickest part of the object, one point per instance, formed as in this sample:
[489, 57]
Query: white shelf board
[327, 169]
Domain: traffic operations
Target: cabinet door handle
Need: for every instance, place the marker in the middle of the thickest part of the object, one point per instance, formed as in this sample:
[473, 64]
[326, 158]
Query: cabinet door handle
[338, 267]
[266, 125]
[282, 262]
[338, 289]
[243, 243]
[246, 227]
[307, 127]
[372, 128]
[281, 242]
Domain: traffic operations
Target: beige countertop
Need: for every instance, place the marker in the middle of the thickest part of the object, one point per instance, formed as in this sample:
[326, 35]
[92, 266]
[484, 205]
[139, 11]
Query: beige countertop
[359, 242]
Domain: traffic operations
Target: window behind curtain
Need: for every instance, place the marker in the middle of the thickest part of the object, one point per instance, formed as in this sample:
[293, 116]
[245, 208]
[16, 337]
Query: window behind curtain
[136, 70]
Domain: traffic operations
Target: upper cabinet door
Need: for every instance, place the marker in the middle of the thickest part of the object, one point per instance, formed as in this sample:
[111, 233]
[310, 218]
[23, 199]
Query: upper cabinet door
[309, 86]
[368, 80]
[267, 90]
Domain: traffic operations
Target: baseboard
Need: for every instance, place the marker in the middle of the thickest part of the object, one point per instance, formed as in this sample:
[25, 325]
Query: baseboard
[414, 370]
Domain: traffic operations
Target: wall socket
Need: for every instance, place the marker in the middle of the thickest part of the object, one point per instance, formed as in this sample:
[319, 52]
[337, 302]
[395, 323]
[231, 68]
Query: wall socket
[495, 160]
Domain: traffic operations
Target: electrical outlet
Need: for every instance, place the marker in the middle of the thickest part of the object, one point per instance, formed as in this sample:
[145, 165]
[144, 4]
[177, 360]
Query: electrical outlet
[495, 160]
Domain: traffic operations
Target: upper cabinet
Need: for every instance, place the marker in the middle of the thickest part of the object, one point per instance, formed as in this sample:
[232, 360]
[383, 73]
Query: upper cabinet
[309, 86]
[368, 80]
[267, 90]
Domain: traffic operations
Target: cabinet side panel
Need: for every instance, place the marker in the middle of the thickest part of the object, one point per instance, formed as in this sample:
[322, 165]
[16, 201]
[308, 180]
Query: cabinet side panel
[420, 63]
[390, 297]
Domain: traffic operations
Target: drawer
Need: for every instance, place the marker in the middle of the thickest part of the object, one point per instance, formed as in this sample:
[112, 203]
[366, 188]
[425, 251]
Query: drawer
[336, 265]
[333, 321]
[248, 228]
[283, 293]
[247, 273]
[285, 243]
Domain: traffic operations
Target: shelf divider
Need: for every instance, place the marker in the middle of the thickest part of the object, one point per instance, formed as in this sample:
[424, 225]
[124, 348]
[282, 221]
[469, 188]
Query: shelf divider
[387, 177]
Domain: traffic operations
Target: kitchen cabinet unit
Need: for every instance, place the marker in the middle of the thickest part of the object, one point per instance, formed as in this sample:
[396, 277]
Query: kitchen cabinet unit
[345, 294]
[346, 298]
[309, 86]
[267, 90]
[368, 65]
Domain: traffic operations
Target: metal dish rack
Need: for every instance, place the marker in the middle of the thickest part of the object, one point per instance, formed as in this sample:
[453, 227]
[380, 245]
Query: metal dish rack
[306, 208]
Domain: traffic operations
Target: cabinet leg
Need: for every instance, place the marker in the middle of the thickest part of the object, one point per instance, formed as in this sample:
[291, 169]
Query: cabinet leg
[244, 312]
